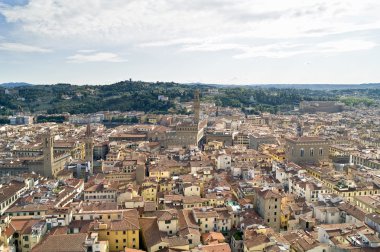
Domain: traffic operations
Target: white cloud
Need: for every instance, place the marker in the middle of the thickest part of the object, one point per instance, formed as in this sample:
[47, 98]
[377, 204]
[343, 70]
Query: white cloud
[126, 21]
[213, 47]
[95, 57]
[86, 51]
[22, 48]
[346, 45]
[257, 28]
[280, 50]
[284, 50]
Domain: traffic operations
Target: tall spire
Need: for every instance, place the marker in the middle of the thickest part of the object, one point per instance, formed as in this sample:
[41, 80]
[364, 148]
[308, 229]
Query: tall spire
[88, 130]
[196, 106]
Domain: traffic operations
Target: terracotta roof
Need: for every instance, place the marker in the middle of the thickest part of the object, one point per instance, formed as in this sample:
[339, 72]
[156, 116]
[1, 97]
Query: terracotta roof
[221, 247]
[62, 243]
[256, 241]
[149, 206]
[266, 194]
[187, 224]
[212, 236]
[150, 231]
[7, 191]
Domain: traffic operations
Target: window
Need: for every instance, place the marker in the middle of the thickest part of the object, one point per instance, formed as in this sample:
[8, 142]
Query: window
[190, 241]
[311, 152]
[302, 152]
[123, 232]
[320, 152]
[117, 241]
[26, 238]
[108, 233]
[168, 221]
[268, 221]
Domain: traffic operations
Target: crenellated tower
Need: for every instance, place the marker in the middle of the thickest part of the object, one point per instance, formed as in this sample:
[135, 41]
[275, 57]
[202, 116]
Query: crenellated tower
[196, 106]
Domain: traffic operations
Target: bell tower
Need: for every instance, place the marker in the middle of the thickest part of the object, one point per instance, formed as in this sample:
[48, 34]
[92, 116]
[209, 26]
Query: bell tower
[196, 106]
[48, 153]
[299, 129]
[89, 149]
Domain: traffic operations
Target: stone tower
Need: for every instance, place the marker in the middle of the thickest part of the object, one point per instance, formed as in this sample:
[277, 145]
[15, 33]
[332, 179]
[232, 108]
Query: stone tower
[196, 106]
[299, 129]
[89, 148]
[48, 152]
[140, 174]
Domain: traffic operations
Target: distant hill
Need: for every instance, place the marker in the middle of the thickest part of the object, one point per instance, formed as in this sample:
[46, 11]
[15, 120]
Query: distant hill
[323, 86]
[15, 84]
[143, 96]
[296, 86]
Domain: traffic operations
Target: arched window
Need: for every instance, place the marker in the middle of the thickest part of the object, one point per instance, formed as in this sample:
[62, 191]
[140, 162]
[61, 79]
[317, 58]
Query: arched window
[311, 152]
[302, 152]
[320, 152]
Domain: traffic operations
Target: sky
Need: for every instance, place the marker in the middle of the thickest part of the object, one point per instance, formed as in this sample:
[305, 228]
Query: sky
[208, 41]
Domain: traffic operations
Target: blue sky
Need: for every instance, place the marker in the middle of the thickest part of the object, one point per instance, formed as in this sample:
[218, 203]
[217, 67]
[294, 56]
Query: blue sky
[210, 41]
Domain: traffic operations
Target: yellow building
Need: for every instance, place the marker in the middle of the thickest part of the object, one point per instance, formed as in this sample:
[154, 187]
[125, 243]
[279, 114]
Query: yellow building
[149, 191]
[25, 232]
[166, 186]
[214, 200]
[368, 203]
[277, 155]
[214, 145]
[159, 173]
[120, 233]
[285, 213]
[341, 187]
